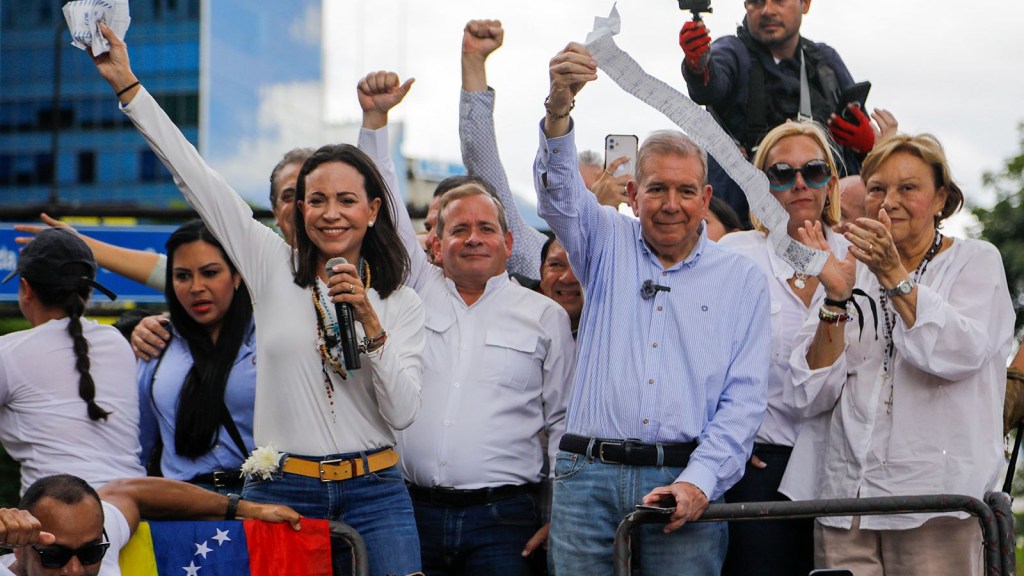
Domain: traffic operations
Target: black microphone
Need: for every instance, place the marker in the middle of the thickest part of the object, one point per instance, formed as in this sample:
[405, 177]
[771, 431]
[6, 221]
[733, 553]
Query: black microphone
[346, 325]
[649, 289]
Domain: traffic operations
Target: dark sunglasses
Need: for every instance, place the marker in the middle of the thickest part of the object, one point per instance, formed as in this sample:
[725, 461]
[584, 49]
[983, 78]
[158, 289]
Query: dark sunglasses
[781, 176]
[58, 556]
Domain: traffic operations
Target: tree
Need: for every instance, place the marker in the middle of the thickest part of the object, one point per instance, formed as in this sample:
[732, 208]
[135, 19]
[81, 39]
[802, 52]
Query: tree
[1003, 223]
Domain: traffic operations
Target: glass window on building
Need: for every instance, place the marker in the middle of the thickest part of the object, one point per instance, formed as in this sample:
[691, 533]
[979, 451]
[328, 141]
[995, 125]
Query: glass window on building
[86, 167]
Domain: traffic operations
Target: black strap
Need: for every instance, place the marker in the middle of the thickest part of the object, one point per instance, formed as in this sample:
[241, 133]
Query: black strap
[157, 452]
[229, 424]
[1013, 459]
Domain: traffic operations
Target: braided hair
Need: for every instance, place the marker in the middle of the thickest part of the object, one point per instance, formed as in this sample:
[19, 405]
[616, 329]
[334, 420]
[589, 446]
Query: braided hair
[72, 299]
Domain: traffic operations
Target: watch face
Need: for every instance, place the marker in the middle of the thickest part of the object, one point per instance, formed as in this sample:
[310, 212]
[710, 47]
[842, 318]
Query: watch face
[905, 287]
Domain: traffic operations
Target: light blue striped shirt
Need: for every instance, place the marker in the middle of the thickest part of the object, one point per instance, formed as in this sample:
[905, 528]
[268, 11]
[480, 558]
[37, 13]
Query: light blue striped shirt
[689, 364]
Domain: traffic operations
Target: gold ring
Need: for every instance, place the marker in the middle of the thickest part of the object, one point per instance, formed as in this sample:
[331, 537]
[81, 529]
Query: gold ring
[351, 289]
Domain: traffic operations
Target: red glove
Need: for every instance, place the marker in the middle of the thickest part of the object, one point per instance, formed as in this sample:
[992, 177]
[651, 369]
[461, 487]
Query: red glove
[859, 136]
[695, 41]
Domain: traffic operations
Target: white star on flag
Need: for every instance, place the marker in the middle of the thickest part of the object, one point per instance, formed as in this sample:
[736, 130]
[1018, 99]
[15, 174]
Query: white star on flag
[203, 549]
[191, 569]
[221, 537]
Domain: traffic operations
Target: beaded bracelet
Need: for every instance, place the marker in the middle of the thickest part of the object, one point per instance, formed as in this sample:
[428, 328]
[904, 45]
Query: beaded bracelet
[832, 317]
[372, 344]
[555, 116]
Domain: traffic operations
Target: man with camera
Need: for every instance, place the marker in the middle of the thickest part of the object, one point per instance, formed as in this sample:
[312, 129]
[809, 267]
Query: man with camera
[764, 75]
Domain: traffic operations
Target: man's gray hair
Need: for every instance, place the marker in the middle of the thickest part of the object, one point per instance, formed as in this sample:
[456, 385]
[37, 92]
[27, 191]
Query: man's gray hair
[670, 142]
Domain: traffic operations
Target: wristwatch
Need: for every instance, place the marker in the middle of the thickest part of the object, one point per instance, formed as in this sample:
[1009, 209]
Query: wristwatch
[901, 289]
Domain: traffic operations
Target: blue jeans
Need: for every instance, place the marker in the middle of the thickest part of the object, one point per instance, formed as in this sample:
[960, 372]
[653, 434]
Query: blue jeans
[476, 540]
[590, 500]
[376, 505]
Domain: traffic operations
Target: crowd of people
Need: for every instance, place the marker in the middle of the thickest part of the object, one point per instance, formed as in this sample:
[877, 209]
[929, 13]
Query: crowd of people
[484, 398]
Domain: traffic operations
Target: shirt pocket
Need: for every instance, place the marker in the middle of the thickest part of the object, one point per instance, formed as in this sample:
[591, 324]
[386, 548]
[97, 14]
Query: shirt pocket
[512, 354]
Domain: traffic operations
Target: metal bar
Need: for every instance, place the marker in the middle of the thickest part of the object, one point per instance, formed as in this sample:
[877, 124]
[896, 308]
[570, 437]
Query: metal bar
[818, 508]
[999, 502]
[360, 557]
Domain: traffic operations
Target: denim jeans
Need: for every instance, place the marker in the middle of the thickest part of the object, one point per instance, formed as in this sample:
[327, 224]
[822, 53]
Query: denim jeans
[590, 500]
[476, 540]
[376, 505]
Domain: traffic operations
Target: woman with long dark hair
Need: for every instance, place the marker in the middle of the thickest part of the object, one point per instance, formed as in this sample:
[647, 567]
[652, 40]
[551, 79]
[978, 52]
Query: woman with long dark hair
[333, 424]
[67, 400]
[196, 398]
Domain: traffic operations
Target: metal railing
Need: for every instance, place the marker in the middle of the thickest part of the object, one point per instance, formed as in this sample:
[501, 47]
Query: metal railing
[360, 557]
[994, 515]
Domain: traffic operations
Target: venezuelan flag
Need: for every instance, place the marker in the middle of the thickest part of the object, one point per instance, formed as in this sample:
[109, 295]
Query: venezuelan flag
[228, 548]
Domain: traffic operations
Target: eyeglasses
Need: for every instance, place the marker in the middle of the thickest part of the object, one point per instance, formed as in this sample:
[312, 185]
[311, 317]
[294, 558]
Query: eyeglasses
[58, 556]
[781, 176]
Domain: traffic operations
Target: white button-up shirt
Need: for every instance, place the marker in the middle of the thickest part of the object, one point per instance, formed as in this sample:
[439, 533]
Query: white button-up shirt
[496, 373]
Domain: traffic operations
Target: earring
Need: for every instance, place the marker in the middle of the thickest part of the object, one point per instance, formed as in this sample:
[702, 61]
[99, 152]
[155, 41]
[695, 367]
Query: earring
[371, 224]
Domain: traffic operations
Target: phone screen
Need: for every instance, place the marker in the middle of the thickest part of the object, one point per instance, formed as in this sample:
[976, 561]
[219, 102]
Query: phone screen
[617, 146]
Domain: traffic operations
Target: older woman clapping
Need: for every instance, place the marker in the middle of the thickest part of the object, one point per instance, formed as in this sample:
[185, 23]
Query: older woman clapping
[915, 410]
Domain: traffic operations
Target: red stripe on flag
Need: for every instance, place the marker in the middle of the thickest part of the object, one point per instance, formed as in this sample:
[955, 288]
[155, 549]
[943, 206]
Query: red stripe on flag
[278, 550]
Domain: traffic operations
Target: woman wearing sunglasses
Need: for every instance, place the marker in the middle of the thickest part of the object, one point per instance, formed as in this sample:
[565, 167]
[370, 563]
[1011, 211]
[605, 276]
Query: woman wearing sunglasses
[914, 405]
[801, 171]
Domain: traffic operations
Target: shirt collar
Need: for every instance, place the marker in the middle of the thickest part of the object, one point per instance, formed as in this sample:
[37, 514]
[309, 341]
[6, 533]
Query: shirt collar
[688, 262]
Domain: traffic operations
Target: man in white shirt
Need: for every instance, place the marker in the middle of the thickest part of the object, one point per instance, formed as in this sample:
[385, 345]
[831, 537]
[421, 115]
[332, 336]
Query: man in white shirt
[63, 525]
[496, 373]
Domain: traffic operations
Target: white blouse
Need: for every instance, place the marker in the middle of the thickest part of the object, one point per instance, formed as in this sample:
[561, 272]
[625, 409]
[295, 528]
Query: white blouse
[941, 433]
[292, 409]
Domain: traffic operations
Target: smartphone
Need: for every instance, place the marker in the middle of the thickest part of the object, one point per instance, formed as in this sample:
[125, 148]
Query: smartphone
[857, 93]
[659, 509]
[618, 145]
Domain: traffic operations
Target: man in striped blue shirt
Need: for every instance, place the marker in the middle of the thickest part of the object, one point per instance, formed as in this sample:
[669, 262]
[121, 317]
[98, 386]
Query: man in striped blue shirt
[672, 361]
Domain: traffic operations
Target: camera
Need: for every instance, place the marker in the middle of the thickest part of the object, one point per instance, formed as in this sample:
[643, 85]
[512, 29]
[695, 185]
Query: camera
[696, 7]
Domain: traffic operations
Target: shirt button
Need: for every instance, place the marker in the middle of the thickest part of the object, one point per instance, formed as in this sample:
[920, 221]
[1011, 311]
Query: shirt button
[456, 385]
[444, 463]
[664, 273]
[465, 346]
[659, 308]
[447, 422]
[655, 344]
[646, 421]
[554, 150]
[651, 381]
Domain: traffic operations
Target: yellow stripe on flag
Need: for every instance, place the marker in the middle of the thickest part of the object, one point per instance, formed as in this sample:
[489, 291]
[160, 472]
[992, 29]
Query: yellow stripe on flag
[137, 558]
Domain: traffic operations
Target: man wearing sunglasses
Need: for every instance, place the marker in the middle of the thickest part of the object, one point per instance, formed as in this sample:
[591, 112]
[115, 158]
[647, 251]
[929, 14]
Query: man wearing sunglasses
[64, 526]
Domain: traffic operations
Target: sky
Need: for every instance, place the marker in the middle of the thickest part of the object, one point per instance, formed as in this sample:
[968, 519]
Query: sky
[949, 68]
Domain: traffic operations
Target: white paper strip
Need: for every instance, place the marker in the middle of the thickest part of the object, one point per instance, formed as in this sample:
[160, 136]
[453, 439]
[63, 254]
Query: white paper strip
[699, 125]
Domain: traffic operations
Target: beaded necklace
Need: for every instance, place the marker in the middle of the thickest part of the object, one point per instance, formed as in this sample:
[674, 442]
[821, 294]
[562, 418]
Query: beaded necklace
[890, 319]
[328, 341]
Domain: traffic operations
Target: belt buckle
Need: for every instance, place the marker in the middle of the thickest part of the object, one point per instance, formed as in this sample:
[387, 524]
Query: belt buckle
[337, 462]
[220, 479]
[600, 450]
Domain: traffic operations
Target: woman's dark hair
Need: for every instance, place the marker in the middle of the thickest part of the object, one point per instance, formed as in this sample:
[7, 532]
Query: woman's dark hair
[72, 300]
[382, 247]
[201, 406]
[725, 214]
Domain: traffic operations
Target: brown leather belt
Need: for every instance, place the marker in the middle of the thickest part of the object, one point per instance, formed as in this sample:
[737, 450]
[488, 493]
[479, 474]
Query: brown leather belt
[336, 470]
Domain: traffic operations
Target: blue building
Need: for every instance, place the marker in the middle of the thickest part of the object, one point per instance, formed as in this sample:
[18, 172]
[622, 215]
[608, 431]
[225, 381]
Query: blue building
[216, 66]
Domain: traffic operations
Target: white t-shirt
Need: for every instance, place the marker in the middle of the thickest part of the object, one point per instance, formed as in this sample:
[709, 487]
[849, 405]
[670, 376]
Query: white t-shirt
[44, 423]
[116, 526]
